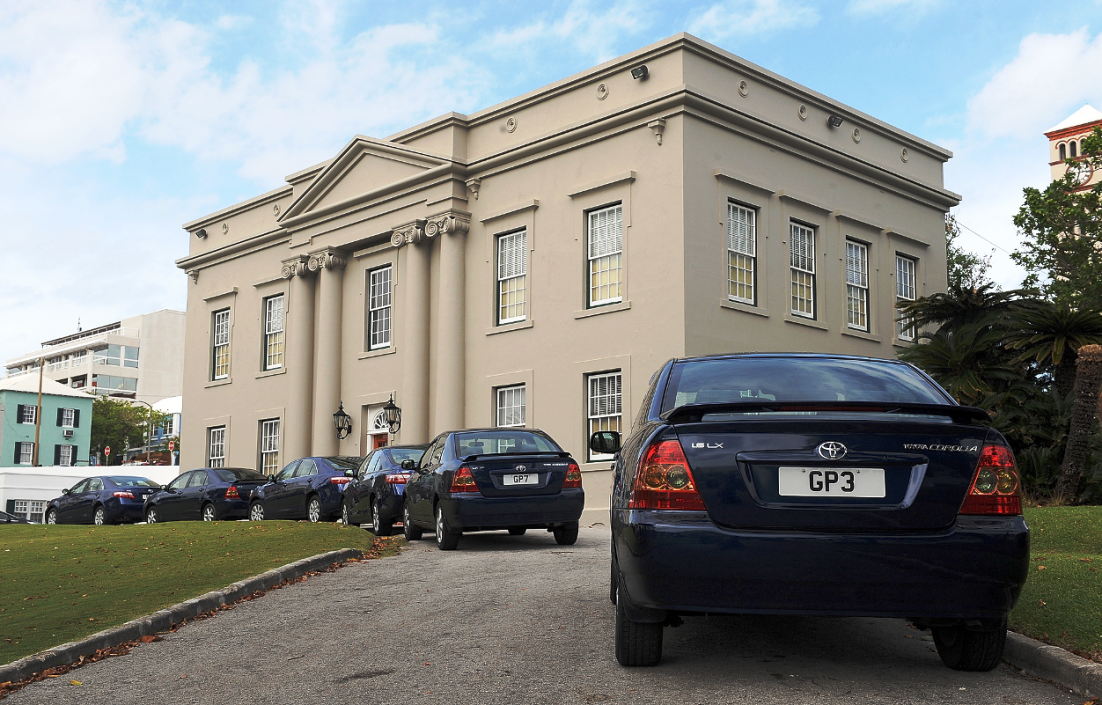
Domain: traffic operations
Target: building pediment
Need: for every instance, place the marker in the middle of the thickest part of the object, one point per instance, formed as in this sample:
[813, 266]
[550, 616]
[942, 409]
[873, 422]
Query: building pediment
[363, 167]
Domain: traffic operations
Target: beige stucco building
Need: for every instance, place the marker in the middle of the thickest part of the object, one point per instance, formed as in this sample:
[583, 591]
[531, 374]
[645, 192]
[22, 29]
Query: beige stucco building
[537, 261]
[1065, 142]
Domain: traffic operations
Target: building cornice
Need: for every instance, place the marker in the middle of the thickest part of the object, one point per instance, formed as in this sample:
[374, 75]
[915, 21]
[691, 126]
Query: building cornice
[1073, 131]
[238, 208]
[256, 242]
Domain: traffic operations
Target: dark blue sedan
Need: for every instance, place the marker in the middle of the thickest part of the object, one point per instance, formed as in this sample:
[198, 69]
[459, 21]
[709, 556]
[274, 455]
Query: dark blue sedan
[110, 499]
[496, 478]
[308, 488]
[813, 485]
[208, 494]
[375, 492]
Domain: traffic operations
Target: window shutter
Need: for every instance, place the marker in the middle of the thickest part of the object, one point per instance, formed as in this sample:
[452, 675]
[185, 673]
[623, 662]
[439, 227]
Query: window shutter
[11, 506]
[57, 455]
[60, 413]
[19, 414]
[18, 452]
[76, 418]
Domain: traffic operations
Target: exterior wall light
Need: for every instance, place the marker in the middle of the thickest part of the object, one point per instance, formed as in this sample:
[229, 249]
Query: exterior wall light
[343, 422]
[834, 121]
[393, 416]
[640, 72]
[200, 233]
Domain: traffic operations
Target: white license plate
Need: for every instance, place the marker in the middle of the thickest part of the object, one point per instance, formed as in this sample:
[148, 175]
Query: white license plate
[830, 482]
[521, 478]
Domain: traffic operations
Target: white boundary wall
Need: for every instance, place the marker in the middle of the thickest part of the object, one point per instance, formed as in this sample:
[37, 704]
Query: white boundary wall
[45, 483]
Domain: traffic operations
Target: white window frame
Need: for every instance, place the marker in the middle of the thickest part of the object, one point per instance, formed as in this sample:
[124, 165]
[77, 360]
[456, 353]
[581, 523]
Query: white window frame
[30, 509]
[68, 418]
[67, 455]
[742, 254]
[26, 453]
[906, 289]
[216, 447]
[274, 315]
[604, 406]
[380, 301]
[30, 414]
[857, 285]
[801, 263]
[269, 446]
[511, 406]
[220, 344]
[604, 251]
[512, 271]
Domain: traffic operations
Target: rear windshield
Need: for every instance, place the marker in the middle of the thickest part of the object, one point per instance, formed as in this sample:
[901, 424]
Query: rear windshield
[234, 474]
[503, 441]
[797, 379]
[133, 482]
[343, 462]
[400, 454]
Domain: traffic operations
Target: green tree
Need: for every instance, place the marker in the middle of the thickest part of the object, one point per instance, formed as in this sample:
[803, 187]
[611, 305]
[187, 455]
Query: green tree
[1051, 333]
[120, 425]
[965, 269]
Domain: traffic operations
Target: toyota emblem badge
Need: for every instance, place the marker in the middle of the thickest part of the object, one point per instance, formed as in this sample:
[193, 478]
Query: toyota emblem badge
[832, 450]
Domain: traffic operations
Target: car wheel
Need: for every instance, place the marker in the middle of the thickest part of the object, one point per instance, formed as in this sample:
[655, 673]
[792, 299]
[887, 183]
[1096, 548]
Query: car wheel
[378, 526]
[963, 649]
[313, 510]
[100, 516]
[209, 513]
[446, 539]
[151, 515]
[411, 531]
[567, 534]
[256, 512]
[346, 518]
[51, 516]
[517, 531]
[637, 643]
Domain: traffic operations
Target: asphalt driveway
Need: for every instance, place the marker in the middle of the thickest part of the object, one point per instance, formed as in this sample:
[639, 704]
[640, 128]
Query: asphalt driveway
[515, 620]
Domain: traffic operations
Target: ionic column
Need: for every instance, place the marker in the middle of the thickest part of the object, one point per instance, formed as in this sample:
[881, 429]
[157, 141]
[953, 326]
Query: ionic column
[413, 288]
[329, 265]
[450, 357]
[300, 358]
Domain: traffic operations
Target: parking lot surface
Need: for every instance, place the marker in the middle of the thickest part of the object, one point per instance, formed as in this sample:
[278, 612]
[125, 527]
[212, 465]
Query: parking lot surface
[516, 620]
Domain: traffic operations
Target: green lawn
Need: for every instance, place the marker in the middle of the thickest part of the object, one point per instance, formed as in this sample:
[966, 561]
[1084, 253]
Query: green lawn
[62, 583]
[1062, 600]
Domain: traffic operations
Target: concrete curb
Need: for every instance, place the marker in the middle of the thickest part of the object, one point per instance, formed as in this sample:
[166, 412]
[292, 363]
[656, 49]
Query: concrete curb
[1054, 664]
[164, 619]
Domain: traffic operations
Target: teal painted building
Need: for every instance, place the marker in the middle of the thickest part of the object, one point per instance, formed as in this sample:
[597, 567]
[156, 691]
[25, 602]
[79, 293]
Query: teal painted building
[66, 422]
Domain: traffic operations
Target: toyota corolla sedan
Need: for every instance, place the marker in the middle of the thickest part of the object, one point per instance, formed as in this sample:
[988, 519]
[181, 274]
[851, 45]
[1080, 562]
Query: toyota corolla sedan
[101, 500]
[209, 494]
[498, 478]
[308, 488]
[375, 492]
[813, 485]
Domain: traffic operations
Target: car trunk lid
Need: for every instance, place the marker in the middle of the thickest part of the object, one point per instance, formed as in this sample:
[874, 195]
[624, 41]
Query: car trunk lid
[522, 474]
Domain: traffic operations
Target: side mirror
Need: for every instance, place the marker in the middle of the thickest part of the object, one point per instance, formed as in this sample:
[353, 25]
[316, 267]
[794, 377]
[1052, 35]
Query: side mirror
[605, 442]
[408, 464]
[350, 473]
[65, 491]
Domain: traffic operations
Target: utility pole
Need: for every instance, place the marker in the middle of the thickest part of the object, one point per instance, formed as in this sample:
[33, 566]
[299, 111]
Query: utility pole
[38, 412]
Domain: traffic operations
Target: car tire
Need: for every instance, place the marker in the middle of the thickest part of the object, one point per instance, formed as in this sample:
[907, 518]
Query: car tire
[51, 516]
[346, 516]
[637, 643]
[411, 531]
[567, 534]
[151, 515]
[209, 513]
[517, 531]
[378, 526]
[256, 511]
[99, 516]
[313, 509]
[963, 649]
[446, 539]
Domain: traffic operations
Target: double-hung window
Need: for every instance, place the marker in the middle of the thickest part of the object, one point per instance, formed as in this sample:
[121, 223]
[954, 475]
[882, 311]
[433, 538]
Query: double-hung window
[378, 308]
[905, 291]
[857, 286]
[801, 249]
[67, 418]
[66, 454]
[510, 406]
[216, 447]
[273, 332]
[606, 244]
[269, 446]
[741, 254]
[605, 406]
[28, 413]
[512, 270]
[220, 344]
[24, 453]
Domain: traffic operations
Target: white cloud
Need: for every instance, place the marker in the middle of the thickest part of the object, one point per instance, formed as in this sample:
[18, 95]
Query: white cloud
[1052, 76]
[594, 33]
[228, 23]
[751, 17]
[877, 7]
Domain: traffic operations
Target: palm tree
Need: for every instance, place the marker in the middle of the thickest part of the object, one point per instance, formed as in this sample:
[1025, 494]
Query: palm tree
[965, 361]
[1051, 333]
[1088, 380]
[958, 305]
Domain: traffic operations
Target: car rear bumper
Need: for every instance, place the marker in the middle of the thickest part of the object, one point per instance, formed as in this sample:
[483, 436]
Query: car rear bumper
[682, 561]
[473, 513]
[121, 509]
[233, 509]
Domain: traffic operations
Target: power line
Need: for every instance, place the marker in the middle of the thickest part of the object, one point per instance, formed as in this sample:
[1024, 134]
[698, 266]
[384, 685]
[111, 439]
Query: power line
[996, 246]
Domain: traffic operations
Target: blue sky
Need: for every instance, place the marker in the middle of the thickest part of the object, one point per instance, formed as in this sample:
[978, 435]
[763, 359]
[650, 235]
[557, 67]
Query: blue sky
[120, 121]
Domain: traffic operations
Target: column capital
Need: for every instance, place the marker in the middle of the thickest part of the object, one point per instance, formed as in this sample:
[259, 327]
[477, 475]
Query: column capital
[410, 233]
[329, 258]
[454, 223]
[296, 266]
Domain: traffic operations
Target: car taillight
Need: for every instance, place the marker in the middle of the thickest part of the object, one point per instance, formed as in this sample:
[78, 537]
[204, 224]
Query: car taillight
[396, 479]
[463, 481]
[996, 486]
[664, 481]
[573, 477]
[125, 495]
[340, 480]
[232, 493]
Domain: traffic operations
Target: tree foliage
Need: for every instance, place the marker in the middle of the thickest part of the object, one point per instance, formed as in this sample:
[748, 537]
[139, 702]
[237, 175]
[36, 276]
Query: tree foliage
[966, 270]
[120, 425]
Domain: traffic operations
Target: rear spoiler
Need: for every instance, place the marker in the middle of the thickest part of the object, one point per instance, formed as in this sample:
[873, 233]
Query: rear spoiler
[693, 413]
[554, 453]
